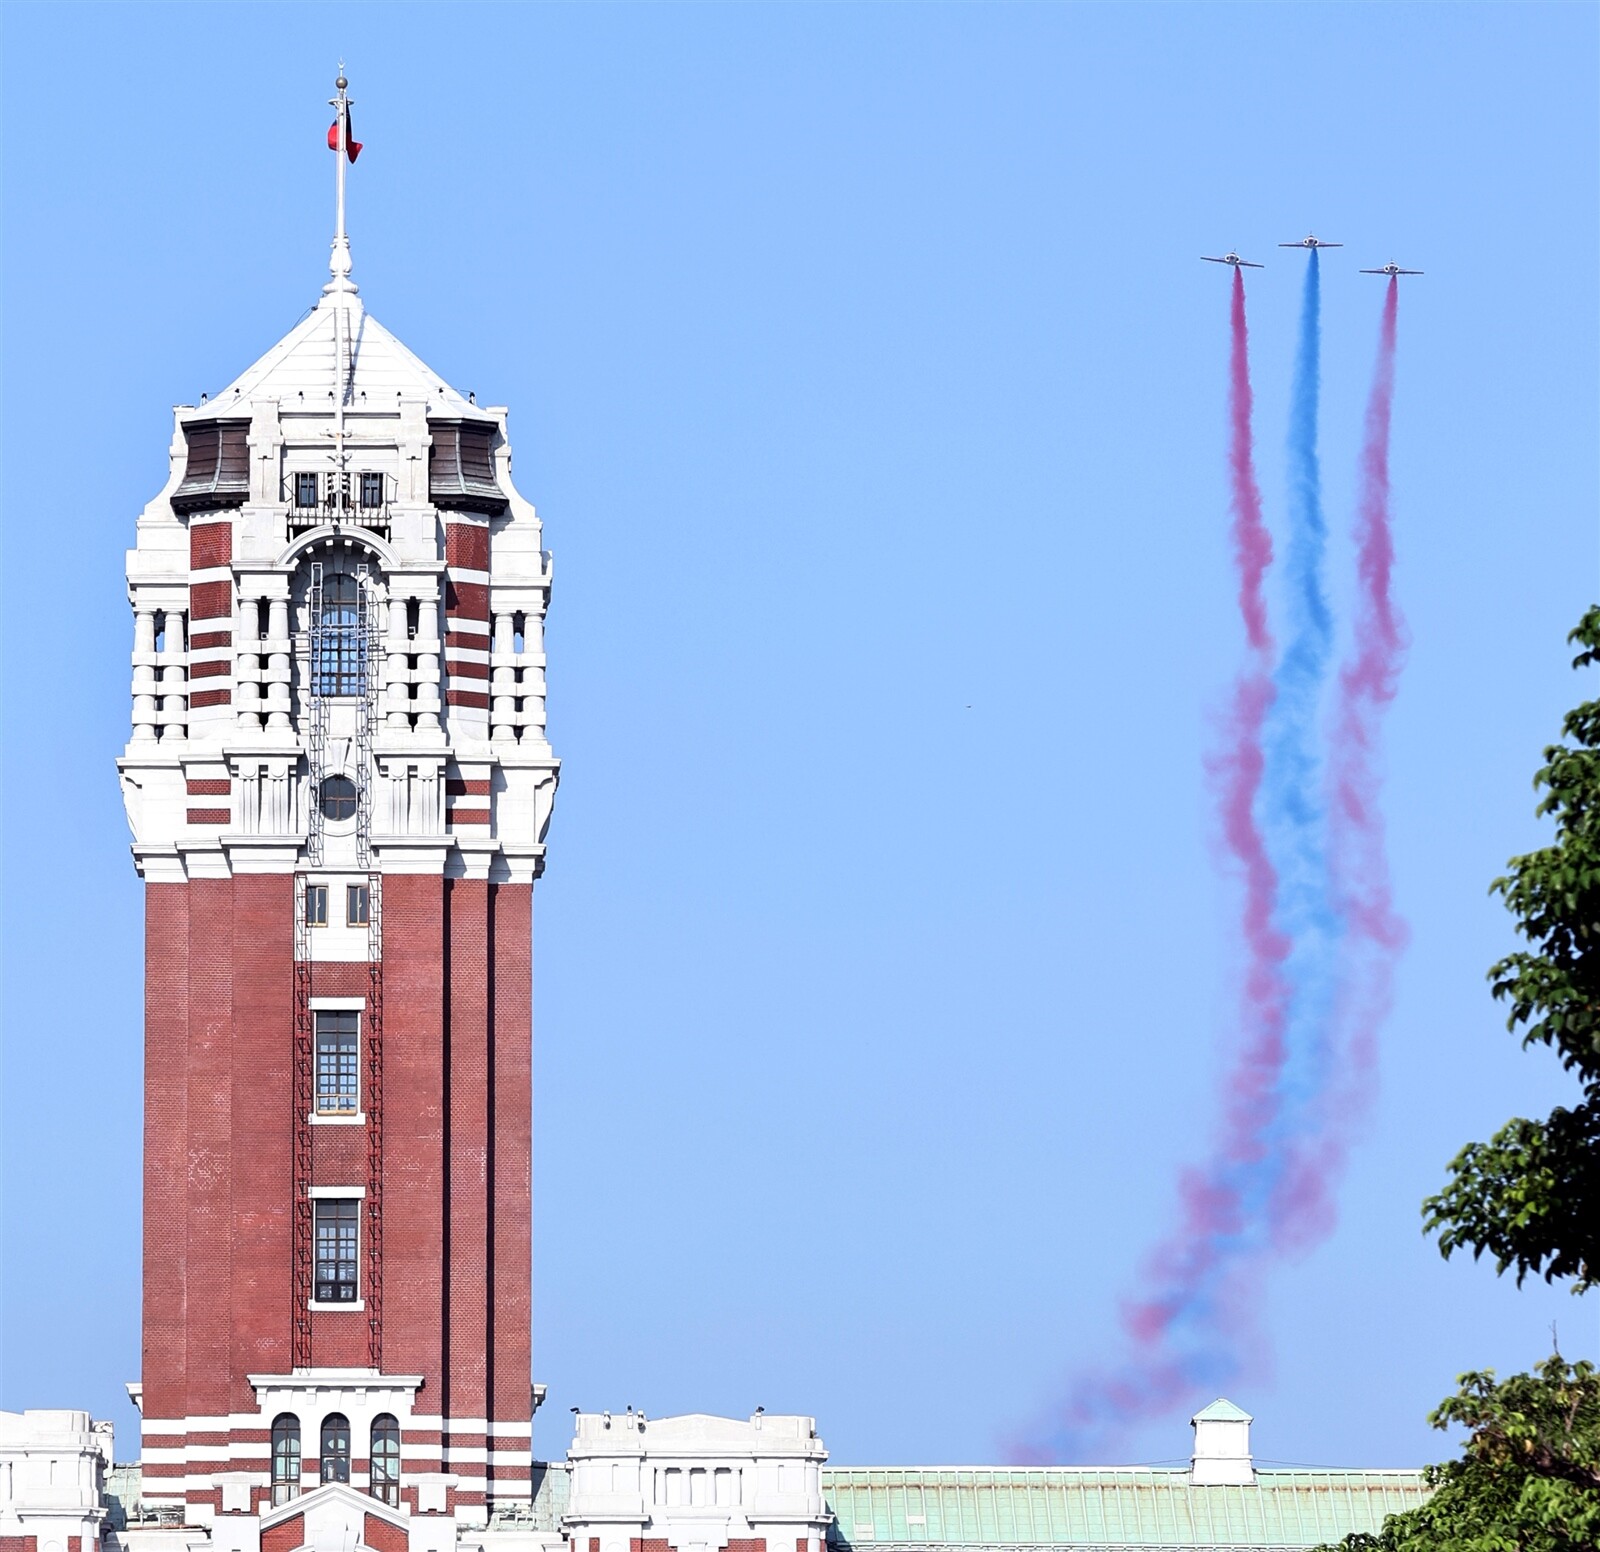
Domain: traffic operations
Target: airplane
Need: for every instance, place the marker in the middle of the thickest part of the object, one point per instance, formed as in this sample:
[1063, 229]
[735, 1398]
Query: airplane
[1391, 268]
[1230, 257]
[1311, 242]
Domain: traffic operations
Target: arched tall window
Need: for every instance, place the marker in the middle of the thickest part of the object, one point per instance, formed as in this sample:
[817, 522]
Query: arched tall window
[386, 1459]
[338, 652]
[285, 1457]
[335, 1448]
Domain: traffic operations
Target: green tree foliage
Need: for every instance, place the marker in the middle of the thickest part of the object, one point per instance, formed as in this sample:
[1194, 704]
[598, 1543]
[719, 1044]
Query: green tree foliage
[1530, 1196]
[1528, 1479]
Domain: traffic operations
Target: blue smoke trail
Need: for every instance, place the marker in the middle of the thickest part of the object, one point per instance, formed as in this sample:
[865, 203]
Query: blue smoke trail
[1266, 1189]
[1293, 797]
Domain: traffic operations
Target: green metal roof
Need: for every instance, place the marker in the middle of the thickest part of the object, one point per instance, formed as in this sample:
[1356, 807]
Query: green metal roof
[552, 1492]
[1222, 1410]
[1126, 1507]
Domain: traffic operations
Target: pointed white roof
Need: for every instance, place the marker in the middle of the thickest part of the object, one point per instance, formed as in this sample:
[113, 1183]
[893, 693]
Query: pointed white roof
[302, 363]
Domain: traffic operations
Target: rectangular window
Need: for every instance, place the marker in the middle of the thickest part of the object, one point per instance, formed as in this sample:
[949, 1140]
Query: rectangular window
[338, 1062]
[305, 490]
[337, 1230]
[316, 905]
[372, 490]
[357, 905]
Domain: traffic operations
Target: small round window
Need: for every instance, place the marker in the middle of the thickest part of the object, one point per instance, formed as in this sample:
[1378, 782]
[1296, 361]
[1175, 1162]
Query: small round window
[338, 798]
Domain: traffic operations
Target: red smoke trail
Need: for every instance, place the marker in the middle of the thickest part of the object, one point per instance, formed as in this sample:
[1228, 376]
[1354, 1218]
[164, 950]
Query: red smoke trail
[1252, 544]
[1251, 1100]
[1193, 1327]
[1189, 1267]
[1367, 685]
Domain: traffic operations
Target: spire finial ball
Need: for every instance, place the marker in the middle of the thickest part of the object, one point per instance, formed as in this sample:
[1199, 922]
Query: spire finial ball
[341, 83]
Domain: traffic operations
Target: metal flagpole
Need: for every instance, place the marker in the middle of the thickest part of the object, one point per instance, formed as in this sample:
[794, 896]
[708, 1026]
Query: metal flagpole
[341, 276]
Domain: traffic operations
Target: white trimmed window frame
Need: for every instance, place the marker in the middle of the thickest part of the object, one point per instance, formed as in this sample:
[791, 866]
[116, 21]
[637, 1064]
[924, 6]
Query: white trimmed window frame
[357, 1005]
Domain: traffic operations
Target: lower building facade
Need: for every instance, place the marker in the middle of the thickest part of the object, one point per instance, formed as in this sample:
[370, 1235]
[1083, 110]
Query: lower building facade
[700, 1483]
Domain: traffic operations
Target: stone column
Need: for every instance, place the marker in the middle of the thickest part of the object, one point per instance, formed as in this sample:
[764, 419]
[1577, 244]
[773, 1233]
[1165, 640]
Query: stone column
[277, 645]
[533, 681]
[427, 646]
[144, 676]
[397, 653]
[247, 665]
[174, 659]
[502, 659]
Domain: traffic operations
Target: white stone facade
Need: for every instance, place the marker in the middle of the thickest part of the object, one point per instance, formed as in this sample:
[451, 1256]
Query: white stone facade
[217, 703]
[696, 1483]
[52, 1478]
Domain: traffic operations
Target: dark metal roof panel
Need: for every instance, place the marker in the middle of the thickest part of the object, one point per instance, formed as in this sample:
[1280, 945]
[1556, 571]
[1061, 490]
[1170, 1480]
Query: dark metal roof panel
[218, 471]
[461, 466]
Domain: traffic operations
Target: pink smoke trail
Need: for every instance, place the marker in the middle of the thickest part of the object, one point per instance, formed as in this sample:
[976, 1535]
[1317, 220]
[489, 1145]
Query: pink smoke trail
[1239, 770]
[1367, 684]
[1201, 1305]
[1191, 1267]
[1252, 544]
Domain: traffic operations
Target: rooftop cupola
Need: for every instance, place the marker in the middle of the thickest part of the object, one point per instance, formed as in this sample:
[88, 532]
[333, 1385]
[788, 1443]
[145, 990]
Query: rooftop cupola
[1221, 1446]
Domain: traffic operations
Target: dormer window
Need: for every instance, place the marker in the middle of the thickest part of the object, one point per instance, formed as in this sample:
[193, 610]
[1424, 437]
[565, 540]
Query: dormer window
[461, 466]
[217, 472]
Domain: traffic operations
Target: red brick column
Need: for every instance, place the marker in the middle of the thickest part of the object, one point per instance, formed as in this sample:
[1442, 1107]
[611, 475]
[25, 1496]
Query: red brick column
[263, 1138]
[413, 1133]
[209, 1162]
[511, 1225]
[471, 971]
[466, 624]
[166, 1149]
[210, 609]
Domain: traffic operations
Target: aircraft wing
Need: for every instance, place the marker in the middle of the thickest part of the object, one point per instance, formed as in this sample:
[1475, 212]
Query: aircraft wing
[1248, 265]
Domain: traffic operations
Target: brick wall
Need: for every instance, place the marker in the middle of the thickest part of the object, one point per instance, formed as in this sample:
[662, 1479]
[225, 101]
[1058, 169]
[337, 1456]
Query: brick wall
[467, 1034]
[382, 1536]
[263, 1131]
[413, 1130]
[164, 1355]
[220, 1123]
[511, 1094]
[285, 1536]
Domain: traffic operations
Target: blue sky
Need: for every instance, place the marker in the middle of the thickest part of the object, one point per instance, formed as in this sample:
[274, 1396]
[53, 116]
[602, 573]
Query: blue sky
[865, 378]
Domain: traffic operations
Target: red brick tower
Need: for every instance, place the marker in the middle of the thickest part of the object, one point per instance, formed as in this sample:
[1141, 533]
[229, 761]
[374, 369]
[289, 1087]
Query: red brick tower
[338, 783]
